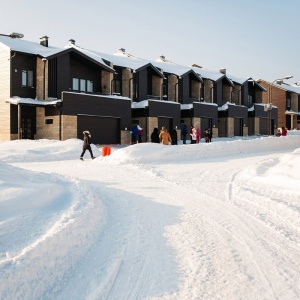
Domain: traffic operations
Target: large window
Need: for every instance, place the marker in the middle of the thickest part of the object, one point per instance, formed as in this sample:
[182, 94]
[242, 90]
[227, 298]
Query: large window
[27, 78]
[75, 84]
[89, 86]
[83, 85]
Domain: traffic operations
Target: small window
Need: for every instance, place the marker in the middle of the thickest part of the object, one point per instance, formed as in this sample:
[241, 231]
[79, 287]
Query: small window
[48, 121]
[90, 86]
[24, 78]
[288, 104]
[75, 84]
[82, 85]
[30, 78]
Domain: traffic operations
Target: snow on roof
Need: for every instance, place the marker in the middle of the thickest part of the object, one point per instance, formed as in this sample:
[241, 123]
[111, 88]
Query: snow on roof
[291, 112]
[225, 106]
[190, 105]
[18, 100]
[20, 45]
[103, 95]
[145, 103]
[290, 88]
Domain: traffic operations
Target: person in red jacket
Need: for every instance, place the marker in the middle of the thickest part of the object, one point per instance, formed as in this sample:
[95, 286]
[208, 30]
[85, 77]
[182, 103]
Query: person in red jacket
[283, 131]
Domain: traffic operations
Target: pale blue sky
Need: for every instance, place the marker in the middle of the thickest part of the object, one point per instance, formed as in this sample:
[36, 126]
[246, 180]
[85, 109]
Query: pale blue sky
[257, 38]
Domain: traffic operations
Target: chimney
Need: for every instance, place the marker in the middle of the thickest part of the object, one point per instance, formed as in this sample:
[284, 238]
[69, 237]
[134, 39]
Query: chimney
[196, 66]
[223, 71]
[122, 51]
[44, 41]
[71, 42]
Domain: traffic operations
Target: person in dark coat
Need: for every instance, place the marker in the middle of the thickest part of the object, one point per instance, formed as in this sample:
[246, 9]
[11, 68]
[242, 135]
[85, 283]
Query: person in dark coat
[155, 136]
[173, 134]
[86, 144]
[206, 135]
[184, 133]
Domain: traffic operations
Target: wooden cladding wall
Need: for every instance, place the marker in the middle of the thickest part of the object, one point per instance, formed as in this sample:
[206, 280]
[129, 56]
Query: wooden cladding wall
[4, 74]
[52, 77]
[18, 63]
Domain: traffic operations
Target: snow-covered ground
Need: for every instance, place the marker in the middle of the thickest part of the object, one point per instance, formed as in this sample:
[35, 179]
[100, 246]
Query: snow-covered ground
[204, 221]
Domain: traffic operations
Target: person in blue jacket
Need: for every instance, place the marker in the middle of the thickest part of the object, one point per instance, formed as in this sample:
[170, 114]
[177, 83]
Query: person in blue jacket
[134, 135]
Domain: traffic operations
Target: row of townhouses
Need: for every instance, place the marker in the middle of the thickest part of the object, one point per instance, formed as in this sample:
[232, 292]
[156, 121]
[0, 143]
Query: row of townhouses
[56, 93]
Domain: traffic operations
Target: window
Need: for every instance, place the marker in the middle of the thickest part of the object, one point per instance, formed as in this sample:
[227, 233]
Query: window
[90, 86]
[24, 78]
[48, 121]
[82, 85]
[288, 104]
[75, 84]
[30, 78]
[27, 78]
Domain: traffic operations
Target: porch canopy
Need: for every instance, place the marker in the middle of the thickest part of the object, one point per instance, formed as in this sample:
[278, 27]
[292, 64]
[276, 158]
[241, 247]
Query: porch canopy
[33, 102]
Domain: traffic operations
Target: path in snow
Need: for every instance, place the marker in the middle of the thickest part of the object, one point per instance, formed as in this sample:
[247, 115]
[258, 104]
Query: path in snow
[203, 232]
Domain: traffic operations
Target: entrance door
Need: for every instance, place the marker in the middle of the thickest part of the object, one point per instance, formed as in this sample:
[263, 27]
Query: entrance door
[238, 126]
[28, 122]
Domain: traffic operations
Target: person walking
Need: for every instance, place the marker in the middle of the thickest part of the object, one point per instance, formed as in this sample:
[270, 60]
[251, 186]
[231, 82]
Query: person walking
[174, 137]
[206, 135]
[209, 134]
[140, 133]
[184, 133]
[193, 136]
[87, 144]
[134, 135]
[164, 136]
[155, 136]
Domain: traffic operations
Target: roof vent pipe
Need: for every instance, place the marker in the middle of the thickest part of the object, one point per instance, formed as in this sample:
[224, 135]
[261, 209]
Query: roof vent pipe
[71, 42]
[196, 66]
[44, 41]
[223, 71]
[122, 50]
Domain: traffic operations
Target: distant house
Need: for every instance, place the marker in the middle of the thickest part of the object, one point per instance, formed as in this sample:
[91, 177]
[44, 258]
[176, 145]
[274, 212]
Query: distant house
[249, 93]
[287, 99]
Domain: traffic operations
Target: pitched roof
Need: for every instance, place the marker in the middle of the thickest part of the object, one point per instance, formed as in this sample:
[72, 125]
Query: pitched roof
[20, 45]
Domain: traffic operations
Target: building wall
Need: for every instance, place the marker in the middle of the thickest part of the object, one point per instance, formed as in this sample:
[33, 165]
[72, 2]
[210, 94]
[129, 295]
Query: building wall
[69, 127]
[125, 137]
[259, 96]
[230, 127]
[236, 94]
[152, 123]
[43, 130]
[208, 86]
[106, 79]
[126, 76]
[157, 86]
[196, 89]
[40, 79]
[18, 63]
[4, 94]
[173, 80]
[227, 92]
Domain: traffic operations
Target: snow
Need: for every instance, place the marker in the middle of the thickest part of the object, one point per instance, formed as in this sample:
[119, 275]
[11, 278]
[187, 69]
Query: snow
[204, 221]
